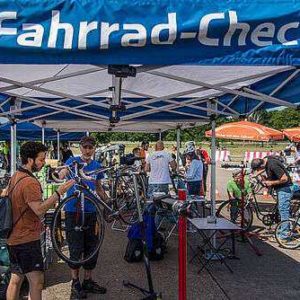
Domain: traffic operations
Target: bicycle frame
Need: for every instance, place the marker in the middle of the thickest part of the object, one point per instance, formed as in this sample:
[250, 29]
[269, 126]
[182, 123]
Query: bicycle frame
[81, 187]
[254, 204]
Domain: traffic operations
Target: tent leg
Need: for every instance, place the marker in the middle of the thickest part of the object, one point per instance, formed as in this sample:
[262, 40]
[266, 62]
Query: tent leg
[13, 148]
[58, 146]
[178, 147]
[213, 167]
[159, 135]
[43, 135]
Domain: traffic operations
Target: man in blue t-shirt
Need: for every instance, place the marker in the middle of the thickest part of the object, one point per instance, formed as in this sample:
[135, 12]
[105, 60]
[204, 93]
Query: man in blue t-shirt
[84, 241]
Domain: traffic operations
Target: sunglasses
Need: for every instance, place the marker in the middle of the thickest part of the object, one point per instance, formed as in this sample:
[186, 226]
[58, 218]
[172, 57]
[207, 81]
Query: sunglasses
[88, 147]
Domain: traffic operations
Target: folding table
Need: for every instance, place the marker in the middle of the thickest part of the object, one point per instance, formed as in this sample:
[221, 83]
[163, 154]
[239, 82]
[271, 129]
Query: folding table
[208, 231]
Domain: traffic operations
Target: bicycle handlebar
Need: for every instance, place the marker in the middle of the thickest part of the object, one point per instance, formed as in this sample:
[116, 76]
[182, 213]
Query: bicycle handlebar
[78, 171]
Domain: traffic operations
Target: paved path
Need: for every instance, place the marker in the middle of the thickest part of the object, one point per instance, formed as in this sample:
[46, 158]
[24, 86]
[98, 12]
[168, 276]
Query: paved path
[275, 275]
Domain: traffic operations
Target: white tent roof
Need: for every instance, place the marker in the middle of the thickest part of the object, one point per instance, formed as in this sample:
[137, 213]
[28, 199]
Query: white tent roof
[152, 85]
[125, 126]
[94, 81]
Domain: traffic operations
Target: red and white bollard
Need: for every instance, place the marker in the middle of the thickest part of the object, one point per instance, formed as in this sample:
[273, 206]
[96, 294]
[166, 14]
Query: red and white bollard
[182, 245]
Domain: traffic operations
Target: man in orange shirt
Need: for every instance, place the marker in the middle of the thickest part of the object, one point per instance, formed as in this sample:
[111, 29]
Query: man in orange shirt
[27, 206]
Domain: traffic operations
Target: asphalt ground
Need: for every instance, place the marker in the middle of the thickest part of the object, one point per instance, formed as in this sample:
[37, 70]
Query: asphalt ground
[274, 275]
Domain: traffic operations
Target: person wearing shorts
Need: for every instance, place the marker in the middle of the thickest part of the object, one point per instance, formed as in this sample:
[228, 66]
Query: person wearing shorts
[84, 242]
[23, 243]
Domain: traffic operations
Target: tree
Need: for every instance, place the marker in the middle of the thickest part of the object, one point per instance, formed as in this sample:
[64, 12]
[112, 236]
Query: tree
[278, 119]
[286, 118]
[259, 116]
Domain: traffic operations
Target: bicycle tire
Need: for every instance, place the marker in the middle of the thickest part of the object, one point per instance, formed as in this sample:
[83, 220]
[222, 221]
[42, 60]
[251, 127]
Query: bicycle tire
[293, 238]
[224, 211]
[56, 232]
[124, 199]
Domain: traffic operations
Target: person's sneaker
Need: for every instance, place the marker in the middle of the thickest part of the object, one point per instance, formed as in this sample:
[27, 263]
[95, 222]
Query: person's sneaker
[76, 291]
[90, 286]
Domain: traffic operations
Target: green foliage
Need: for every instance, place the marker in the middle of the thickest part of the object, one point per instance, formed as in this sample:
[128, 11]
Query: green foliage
[106, 137]
[279, 119]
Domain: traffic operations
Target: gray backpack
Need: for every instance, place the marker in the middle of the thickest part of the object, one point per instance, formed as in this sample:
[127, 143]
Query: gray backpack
[6, 217]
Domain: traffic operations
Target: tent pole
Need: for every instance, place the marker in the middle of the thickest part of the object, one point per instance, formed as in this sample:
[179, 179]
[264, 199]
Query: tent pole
[13, 148]
[213, 166]
[177, 147]
[43, 133]
[159, 135]
[213, 105]
[58, 145]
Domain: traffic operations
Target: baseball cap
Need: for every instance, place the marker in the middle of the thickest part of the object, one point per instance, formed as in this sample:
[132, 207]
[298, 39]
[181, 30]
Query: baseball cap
[88, 140]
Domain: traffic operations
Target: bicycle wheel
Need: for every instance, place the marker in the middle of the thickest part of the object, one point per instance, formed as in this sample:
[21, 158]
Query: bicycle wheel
[66, 226]
[231, 210]
[124, 197]
[292, 240]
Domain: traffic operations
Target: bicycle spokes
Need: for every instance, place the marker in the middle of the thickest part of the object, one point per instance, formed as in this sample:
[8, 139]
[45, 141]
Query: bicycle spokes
[77, 235]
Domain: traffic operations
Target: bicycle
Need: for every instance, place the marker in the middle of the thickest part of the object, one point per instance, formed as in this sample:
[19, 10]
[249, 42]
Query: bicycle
[122, 191]
[231, 209]
[84, 201]
[292, 240]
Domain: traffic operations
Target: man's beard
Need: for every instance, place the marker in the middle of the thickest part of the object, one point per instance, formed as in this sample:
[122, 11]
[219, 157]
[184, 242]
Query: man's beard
[35, 168]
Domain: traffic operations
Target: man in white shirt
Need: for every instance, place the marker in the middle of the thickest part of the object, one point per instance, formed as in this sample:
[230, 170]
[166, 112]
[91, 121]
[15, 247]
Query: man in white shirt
[158, 164]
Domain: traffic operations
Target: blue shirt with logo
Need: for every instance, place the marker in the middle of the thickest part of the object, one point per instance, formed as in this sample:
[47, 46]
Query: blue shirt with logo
[72, 205]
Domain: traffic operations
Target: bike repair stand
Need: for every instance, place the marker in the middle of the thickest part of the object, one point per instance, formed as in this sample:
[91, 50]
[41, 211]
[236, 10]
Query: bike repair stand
[245, 235]
[150, 293]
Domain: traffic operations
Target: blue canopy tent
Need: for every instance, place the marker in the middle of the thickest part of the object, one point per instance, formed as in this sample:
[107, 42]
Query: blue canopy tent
[150, 32]
[239, 56]
[78, 39]
[30, 131]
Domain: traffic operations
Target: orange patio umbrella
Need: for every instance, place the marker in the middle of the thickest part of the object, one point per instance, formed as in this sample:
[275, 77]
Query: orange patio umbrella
[293, 134]
[245, 130]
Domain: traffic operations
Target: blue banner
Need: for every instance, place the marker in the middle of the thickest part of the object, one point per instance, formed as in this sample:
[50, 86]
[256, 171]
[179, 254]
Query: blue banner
[244, 32]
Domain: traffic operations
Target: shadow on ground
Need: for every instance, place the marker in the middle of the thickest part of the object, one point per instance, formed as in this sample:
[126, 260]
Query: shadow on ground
[275, 275]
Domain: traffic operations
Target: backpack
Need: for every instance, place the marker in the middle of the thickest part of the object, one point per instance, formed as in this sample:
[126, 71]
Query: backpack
[4, 269]
[134, 251]
[6, 214]
[4, 281]
[158, 247]
[156, 244]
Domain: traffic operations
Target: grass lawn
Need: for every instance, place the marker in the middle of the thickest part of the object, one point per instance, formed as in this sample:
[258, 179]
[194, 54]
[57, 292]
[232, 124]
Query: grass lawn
[237, 149]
